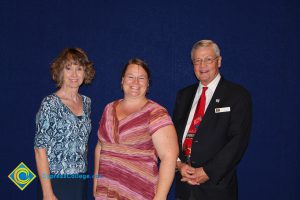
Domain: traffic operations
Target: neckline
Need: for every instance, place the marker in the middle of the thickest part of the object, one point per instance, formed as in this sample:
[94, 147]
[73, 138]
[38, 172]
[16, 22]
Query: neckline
[64, 105]
[134, 113]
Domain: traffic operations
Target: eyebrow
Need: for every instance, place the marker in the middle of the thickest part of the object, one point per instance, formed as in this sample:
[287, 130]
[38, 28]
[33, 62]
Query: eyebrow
[134, 75]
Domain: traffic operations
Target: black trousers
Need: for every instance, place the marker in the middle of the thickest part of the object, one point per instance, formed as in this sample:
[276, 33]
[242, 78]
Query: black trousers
[191, 197]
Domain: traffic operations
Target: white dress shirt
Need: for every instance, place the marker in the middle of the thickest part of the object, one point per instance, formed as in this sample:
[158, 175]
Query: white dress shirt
[208, 94]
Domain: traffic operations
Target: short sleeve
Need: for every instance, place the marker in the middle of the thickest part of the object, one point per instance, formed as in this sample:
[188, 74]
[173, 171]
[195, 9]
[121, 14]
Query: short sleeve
[159, 118]
[44, 125]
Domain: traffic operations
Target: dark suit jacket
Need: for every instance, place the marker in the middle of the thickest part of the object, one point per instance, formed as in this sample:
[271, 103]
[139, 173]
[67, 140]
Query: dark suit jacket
[220, 141]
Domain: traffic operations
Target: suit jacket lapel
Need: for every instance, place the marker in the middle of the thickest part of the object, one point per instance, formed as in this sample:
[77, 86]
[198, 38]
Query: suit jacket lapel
[188, 98]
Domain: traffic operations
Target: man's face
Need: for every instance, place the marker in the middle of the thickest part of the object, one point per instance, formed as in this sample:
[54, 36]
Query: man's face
[206, 64]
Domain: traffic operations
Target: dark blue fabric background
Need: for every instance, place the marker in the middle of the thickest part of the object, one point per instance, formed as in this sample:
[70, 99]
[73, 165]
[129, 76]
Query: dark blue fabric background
[259, 43]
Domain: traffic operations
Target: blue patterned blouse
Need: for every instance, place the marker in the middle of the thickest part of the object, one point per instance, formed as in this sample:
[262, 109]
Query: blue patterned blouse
[63, 134]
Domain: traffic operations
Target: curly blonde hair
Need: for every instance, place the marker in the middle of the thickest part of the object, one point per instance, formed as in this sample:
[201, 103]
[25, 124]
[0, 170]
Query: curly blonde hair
[71, 56]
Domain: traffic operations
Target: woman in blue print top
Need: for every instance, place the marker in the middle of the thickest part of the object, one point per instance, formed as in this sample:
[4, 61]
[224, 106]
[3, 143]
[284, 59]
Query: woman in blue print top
[63, 126]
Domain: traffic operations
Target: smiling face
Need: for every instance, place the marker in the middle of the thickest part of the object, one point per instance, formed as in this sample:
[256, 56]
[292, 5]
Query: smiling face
[206, 64]
[72, 76]
[135, 82]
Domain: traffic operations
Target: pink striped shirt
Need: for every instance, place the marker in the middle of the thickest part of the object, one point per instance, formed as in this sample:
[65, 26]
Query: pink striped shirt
[128, 161]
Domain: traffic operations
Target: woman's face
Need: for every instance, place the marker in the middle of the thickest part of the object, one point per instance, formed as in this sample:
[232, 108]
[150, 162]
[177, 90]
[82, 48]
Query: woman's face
[135, 82]
[72, 76]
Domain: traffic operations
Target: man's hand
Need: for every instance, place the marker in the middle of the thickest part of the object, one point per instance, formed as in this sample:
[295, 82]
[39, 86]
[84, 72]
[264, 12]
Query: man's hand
[193, 176]
[200, 176]
[186, 170]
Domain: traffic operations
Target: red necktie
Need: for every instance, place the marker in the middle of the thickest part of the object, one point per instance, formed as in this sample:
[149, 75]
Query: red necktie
[199, 113]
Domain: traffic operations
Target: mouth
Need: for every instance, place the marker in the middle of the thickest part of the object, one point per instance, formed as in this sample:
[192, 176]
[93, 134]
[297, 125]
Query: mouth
[134, 88]
[204, 71]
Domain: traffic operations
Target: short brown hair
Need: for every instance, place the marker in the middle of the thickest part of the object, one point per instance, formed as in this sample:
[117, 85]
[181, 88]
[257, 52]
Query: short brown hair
[71, 56]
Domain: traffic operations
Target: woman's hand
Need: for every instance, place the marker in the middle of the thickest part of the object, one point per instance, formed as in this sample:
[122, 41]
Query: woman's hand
[156, 197]
[50, 197]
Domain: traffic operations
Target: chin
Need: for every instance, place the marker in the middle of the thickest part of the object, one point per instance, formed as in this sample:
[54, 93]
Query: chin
[74, 86]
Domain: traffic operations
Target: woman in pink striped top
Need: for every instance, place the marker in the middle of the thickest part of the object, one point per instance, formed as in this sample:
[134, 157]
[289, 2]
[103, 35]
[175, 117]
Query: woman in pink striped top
[133, 133]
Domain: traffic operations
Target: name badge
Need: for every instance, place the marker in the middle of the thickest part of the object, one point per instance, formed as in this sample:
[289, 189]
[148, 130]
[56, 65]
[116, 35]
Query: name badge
[224, 109]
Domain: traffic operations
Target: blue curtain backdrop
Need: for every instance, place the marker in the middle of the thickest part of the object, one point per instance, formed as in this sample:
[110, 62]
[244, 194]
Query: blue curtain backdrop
[259, 43]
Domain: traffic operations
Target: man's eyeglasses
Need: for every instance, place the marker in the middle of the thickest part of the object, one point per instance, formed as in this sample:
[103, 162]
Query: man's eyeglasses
[207, 60]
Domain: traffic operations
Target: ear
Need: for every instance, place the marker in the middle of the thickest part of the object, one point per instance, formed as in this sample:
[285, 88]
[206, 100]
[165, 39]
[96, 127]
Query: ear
[219, 61]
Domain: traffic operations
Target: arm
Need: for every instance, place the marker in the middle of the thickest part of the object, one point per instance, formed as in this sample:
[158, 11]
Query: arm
[42, 137]
[238, 132]
[165, 143]
[96, 167]
[43, 172]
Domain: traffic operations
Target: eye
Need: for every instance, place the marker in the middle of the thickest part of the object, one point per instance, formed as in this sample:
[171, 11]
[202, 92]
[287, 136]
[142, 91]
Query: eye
[129, 77]
[208, 59]
[197, 61]
[80, 68]
[68, 68]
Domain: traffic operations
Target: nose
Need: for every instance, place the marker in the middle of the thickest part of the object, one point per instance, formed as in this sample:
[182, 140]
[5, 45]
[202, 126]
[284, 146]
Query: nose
[135, 80]
[202, 64]
[74, 73]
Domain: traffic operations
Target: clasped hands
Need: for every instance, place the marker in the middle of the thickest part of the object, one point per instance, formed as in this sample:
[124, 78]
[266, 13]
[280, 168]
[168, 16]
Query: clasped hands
[191, 175]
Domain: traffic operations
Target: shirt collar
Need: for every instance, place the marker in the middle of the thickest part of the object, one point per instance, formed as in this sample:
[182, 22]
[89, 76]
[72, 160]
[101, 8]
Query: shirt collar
[212, 85]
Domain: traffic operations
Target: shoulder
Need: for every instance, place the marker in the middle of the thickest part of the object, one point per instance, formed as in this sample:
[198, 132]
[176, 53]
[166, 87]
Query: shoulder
[156, 109]
[86, 98]
[155, 105]
[235, 89]
[49, 105]
[158, 116]
[50, 100]
[111, 105]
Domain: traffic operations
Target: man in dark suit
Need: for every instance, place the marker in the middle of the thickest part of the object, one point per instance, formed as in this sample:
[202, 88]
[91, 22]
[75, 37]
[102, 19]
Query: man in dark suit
[207, 168]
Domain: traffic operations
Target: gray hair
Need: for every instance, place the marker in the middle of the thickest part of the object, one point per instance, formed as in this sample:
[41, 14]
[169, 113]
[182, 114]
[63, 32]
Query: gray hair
[205, 43]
